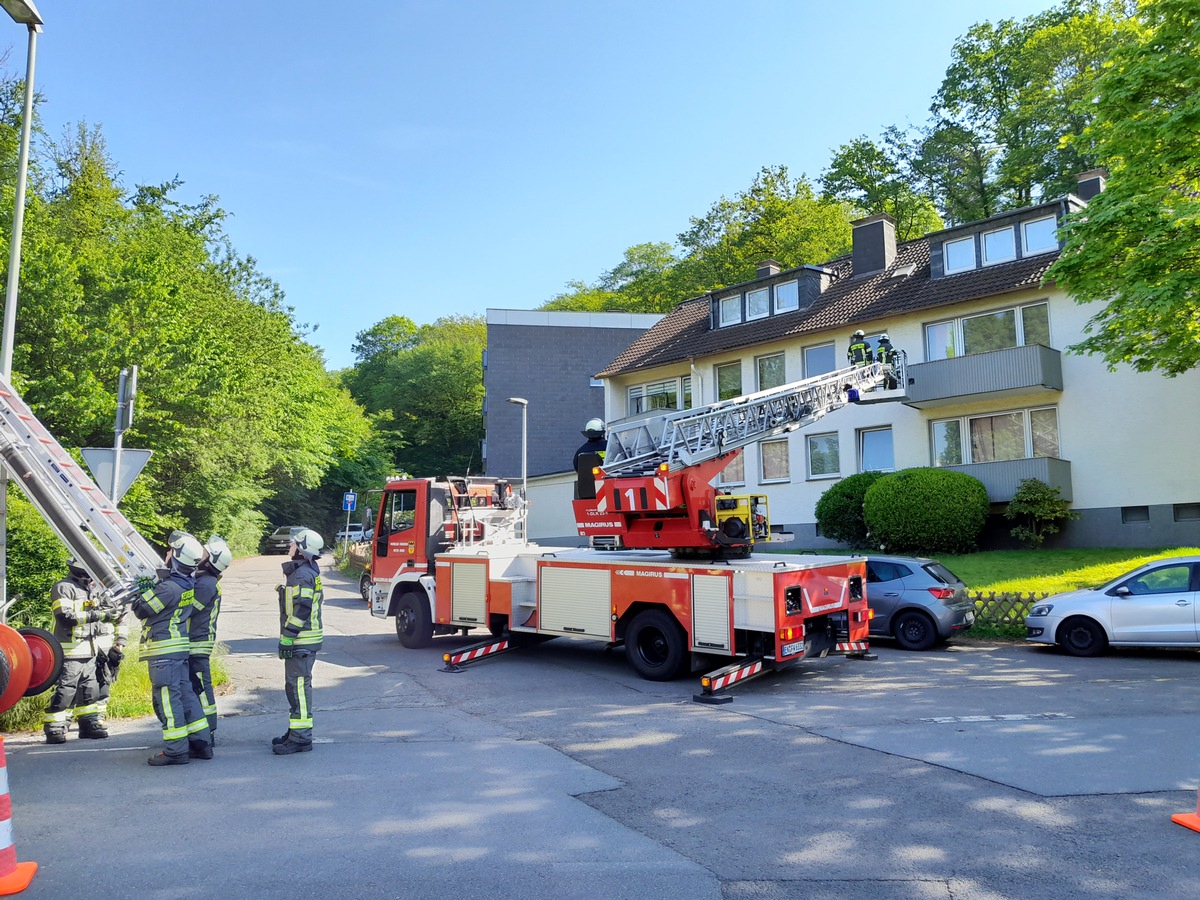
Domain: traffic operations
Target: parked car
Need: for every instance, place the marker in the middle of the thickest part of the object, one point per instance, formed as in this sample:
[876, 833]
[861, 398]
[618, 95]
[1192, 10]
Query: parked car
[919, 602]
[277, 541]
[1152, 606]
[353, 533]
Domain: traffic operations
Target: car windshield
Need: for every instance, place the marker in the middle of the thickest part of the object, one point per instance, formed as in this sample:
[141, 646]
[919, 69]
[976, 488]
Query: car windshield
[942, 574]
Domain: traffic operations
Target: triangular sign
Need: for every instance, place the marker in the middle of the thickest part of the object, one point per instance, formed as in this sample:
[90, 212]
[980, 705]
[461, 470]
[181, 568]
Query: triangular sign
[100, 461]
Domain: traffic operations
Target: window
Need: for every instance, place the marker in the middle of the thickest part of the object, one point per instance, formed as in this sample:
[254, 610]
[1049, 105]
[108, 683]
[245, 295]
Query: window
[1166, 580]
[999, 246]
[731, 310]
[1040, 235]
[1021, 434]
[735, 472]
[770, 371]
[775, 465]
[823, 458]
[1135, 515]
[819, 360]
[1003, 329]
[758, 304]
[875, 450]
[665, 394]
[787, 296]
[729, 381]
[959, 256]
[399, 511]
[1187, 512]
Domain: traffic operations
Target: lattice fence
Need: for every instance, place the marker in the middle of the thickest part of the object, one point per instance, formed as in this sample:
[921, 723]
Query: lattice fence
[1004, 609]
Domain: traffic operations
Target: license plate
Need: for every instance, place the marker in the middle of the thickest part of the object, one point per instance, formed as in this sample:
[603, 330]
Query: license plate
[792, 649]
[970, 617]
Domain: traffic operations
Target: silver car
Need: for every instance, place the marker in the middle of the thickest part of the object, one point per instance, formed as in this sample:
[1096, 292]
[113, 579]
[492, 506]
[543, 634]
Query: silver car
[919, 602]
[1152, 606]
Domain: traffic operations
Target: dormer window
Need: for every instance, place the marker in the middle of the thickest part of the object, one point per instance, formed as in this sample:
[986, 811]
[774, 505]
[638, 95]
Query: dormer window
[999, 246]
[959, 256]
[731, 310]
[787, 296]
[1040, 235]
[758, 304]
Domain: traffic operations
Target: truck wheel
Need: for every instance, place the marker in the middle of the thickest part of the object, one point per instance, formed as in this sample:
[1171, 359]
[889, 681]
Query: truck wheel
[915, 631]
[655, 645]
[364, 586]
[414, 626]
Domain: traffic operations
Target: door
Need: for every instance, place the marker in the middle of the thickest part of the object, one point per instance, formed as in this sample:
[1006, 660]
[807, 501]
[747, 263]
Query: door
[885, 585]
[1157, 606]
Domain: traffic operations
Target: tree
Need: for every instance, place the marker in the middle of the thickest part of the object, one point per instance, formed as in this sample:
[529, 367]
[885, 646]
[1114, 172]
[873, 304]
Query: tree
[1039, 508]
[1136, 248]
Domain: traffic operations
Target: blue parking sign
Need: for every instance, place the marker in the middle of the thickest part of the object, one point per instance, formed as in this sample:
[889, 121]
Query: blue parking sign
[349, 501]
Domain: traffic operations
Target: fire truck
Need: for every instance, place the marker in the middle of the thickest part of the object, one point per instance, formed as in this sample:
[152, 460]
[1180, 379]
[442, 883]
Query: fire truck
[668, 573]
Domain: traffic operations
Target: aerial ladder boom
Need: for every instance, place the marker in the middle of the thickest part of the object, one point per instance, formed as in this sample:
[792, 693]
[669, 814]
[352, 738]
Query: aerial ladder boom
[84, 518]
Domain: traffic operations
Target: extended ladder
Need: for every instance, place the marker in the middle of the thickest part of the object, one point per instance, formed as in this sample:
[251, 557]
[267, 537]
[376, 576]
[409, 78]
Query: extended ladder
[685, 437]
[95, 531]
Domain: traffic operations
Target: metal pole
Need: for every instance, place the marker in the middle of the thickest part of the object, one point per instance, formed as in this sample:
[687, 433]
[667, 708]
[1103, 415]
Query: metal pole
[524, 472]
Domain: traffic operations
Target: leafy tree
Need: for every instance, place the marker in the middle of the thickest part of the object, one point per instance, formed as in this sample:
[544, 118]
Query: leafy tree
[1039, 508]
[957, 165]
[1136, 248]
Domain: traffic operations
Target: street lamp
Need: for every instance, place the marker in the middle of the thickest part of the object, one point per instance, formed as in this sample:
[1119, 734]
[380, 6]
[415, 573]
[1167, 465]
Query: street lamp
[524, 404]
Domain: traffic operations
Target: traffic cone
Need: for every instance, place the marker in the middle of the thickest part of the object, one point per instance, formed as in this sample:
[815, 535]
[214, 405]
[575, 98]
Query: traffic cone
[1189, 820]
[14, 876]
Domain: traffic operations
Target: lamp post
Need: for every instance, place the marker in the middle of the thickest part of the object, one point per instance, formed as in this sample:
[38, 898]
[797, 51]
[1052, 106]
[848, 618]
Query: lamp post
[23, 12]
[524, 404]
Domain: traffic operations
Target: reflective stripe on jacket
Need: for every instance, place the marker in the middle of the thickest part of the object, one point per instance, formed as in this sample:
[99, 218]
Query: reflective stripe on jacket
[859, 353]
[206, 607]
[300, 601]
[74, 619]
[165, 610]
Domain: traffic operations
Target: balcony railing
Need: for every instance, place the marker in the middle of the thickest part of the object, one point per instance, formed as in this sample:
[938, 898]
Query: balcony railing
[1002, 478]
[1018, 371]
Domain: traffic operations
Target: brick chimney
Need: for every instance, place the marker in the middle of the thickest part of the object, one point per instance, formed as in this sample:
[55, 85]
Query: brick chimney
[1090, 183]
[874, 244]
[767, 268]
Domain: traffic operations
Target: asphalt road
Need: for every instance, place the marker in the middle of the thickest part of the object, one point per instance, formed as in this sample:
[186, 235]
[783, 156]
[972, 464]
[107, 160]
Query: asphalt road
[968, 772]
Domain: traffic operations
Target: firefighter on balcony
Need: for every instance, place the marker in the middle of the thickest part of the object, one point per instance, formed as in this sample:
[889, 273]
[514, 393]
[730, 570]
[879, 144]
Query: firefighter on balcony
[887, 354]
[165, 610]
[75, 696]
[300, 601]
[202, 631]
[859, 351]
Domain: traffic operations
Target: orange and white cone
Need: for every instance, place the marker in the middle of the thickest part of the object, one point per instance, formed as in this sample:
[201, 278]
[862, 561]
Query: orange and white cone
[14, 876]
[1189, 820]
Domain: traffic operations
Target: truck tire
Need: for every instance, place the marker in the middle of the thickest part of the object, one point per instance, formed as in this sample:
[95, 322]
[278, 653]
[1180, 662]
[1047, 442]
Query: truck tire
[364, 586]
[655, 645]
[414, 625]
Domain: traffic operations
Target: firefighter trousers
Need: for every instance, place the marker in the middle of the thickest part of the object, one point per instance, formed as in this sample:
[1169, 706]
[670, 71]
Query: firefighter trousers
[177, 708]
[200, 675]
[74, 696]
[297, 674]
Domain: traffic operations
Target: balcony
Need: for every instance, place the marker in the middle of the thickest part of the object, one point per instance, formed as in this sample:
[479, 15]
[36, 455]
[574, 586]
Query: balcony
[1016, 372]
[1002, 478]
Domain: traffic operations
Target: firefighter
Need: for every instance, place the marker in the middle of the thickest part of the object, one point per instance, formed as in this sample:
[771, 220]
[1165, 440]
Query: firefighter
[886, 354]
[165, 610]
[202, 631]
[596, 443]
[112, 634]
[859, 351]
[300, 633]
[75, 616]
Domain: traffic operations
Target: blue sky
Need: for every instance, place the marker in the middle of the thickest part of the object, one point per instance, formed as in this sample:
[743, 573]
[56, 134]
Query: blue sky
[430, 158]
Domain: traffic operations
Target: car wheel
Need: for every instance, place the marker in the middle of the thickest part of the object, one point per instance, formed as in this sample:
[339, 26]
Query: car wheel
[414, 626]
[655, 645]
[915, 631]
[364, 586]
[1082, 637]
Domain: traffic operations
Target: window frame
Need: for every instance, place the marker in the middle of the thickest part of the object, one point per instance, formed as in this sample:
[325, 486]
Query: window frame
[765, 294]
[832, 347]
[764, 478]
[983, 243]
[722, 321]
[776, 305]
[958, 337]
[860, 437]
[759, 360]
[734, 482]
[717, 367]
[965, 435]
[808, 457]
[683, 394]
[1030, 251]
[946, 245]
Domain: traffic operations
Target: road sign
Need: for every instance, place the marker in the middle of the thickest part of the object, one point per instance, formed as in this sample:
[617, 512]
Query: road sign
[349, 501]
[100, 461]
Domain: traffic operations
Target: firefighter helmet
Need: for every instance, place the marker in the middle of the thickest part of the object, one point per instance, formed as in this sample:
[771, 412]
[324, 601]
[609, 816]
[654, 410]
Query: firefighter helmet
[594, 429]
[218, 554]
[308, 542]
[884, 337]
[77, 571]
[186, 549]
[860, 333]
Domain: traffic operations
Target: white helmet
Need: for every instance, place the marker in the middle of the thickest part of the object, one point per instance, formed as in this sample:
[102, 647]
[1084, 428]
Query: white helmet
[185, 549]
[884, 337]
[308, 542]
[860, 333]
[594, 429]
[219, 555]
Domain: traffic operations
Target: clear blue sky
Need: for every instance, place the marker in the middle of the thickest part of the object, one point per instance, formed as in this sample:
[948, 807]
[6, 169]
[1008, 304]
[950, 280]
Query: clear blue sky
[430, 158]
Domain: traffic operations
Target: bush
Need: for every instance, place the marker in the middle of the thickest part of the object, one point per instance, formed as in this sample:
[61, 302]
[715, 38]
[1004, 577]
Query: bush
[840, 510]
[1039, 508]
[925, 511]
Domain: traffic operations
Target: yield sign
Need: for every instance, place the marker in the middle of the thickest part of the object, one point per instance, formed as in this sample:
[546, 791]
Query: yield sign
[100, 461]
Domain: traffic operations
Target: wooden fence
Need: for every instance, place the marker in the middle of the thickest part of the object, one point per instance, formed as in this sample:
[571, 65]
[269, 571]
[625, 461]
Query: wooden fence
[1005, 609]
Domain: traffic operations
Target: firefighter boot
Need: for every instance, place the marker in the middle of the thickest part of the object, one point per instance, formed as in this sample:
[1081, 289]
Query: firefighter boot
[56, 735]
[276, 741]
[92, 727]
[291, 745]
[161, 759]
[199, 750]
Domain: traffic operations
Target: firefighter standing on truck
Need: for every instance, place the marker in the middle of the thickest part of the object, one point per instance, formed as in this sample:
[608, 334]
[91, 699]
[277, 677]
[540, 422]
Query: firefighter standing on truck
[202, 630]
[75, 696]
[886, 354]
[300, 633]
[165, 610]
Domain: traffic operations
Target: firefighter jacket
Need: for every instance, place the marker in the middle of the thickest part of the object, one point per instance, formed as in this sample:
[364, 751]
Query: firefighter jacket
[859, 352]
[300, 601]
[206, 606]
[75, 618]
[111, 631]
[165, 610]
[885, 353]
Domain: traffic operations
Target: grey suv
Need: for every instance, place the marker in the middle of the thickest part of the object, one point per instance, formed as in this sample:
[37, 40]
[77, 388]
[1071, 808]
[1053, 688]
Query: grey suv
[277, 541]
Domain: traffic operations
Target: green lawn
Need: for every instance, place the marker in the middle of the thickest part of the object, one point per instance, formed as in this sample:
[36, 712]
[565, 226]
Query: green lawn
[1049, 571]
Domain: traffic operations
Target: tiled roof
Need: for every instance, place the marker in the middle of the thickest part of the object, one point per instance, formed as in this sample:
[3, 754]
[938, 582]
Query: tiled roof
[684, 333]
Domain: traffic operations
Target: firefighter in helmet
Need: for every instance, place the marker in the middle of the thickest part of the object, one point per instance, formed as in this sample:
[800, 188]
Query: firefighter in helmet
[888, 355]
[597, 441]
[859, 351]
[202, 632]
[76, 615]
[300, 633]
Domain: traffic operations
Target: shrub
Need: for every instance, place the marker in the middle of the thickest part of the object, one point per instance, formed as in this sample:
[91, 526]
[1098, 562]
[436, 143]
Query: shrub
[1039, 508]
[840, 510]
[925, 511]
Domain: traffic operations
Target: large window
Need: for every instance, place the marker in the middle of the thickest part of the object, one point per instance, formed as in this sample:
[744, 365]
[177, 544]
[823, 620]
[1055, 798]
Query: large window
[1018, 326]
[999, 246]
[1040, 235]
[787, 296]
[735, 472]
[824, 460]
[758, 304]
[731, 309]
[1019, 434]
[875, 450]
[770, 371]
[959, 256]
[729, 381]
[670, 393]
[775, 465]
[819, 360]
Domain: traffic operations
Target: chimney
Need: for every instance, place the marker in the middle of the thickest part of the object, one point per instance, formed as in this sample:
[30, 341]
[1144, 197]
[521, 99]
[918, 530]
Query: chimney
[1091, 183]
[874, 244]
[767, 268]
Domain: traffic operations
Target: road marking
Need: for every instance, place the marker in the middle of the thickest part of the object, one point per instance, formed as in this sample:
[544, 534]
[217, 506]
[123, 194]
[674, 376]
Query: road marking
[1007, 717]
